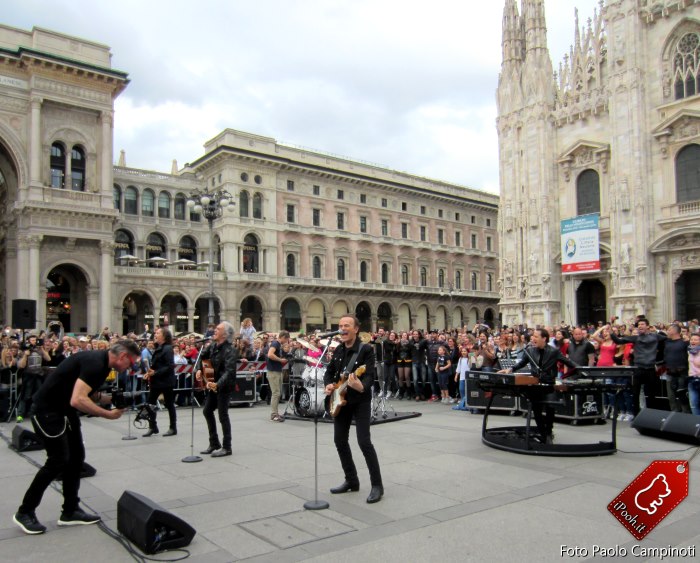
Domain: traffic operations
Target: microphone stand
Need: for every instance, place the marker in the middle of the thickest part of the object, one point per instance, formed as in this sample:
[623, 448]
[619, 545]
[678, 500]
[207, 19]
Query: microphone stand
[193, 458]
[317, 504]
[128, 412]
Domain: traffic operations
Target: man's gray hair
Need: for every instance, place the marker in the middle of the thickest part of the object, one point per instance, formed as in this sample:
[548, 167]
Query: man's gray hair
[125, 345]
[228, 330]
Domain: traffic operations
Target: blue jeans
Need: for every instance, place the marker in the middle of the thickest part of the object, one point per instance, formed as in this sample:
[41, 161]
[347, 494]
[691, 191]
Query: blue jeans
[694, 394]
[433, 378]
[419, 375]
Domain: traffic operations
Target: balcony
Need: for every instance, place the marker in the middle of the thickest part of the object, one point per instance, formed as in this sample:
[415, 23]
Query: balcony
[147, 272]
[680, 215]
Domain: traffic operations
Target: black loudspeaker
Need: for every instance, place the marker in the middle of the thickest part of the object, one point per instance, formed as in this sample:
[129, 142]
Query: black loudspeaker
[24, 314]
[24, 440]
[677, 426]
[148, 526]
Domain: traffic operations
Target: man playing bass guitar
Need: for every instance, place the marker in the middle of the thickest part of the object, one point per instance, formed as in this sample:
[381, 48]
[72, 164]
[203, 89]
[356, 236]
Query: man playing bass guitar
[346, 359]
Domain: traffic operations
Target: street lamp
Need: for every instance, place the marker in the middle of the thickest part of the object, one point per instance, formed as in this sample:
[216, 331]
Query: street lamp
[211, 204]
[451, 291]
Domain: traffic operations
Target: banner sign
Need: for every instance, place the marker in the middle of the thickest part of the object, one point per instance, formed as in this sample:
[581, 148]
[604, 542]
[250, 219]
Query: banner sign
[580, 249]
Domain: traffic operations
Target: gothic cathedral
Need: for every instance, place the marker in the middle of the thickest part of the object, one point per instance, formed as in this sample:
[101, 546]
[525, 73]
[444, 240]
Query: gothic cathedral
[614, 131]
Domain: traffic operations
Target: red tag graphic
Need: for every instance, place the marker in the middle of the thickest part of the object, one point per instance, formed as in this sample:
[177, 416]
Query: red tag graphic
[651, 496]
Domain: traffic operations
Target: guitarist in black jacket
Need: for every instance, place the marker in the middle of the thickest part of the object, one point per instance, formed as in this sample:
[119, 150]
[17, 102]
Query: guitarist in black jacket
[358, 397]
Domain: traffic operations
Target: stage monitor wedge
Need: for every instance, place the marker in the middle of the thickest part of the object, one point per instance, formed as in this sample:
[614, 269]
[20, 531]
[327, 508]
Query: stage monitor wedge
[677, 426]
[150, 527]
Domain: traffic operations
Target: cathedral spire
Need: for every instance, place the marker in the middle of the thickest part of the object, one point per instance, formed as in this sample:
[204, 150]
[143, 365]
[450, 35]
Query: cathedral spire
[535, 25]
[512, 33]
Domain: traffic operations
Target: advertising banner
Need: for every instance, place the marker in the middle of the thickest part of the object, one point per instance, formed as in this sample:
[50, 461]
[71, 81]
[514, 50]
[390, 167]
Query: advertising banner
[580, 249]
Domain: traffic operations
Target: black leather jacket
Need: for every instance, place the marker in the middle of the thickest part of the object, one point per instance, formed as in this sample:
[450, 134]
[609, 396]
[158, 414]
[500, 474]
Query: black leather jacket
[546, 367]
[341, 356]
[223, 359]
[163, 366]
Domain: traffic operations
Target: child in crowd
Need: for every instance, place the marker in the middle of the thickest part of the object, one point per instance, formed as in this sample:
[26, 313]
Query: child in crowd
[461, 377]
[443, 367]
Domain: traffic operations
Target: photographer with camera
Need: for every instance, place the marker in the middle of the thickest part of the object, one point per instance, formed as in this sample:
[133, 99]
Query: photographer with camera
[55, 420]
[32, 356]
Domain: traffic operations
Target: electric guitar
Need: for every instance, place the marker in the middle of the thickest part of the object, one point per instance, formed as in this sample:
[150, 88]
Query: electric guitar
[337, 396]
[207, 374]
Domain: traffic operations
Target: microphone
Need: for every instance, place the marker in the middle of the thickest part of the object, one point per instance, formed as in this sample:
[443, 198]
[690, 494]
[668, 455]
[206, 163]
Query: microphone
[207, 339]
[330, 334]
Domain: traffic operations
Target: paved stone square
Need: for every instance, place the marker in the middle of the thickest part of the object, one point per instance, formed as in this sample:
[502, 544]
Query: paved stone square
[447, 496]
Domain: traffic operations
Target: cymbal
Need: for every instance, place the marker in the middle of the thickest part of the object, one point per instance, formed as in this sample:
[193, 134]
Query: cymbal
[307, 345]
[324, 343]
[365, 337]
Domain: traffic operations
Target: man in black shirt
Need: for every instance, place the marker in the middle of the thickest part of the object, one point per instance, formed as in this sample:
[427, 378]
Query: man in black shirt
[223, 357]
[580, 350]
[56, 423]
[543, 361]
[676, 362]
[346, 359]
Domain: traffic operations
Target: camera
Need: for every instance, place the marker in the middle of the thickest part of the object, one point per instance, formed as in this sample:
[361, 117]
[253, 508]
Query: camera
[26, 346]
[121, 399]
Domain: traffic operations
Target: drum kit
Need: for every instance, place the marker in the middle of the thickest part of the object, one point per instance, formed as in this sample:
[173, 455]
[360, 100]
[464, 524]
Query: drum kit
[306, 382]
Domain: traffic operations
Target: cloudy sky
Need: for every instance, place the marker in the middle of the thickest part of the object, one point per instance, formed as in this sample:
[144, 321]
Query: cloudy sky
[405, 84]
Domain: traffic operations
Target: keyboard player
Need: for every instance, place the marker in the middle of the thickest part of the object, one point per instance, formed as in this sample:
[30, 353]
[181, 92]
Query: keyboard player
[543, 364]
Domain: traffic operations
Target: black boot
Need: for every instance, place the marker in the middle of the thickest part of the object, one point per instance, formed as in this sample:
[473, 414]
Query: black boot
[151, 431]
[348, 485]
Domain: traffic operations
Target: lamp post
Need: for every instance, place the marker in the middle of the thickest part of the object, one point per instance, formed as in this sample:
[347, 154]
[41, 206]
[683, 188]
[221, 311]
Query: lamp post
[451, 291]
[211, 204]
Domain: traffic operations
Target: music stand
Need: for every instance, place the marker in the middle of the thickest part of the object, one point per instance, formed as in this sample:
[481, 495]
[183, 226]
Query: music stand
[193, 458]
[317, 504]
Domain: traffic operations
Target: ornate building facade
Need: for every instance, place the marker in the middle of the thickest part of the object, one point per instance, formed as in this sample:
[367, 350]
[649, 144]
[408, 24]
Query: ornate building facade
[312, 236]
[615, 131]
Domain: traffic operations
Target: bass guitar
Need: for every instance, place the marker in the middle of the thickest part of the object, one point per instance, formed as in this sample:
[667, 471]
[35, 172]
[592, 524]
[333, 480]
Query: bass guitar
[337, 397]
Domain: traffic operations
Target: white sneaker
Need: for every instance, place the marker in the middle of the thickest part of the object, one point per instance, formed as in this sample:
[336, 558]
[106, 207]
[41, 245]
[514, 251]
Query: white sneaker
[622, 417]
[629, 418]
[452, 400]
[388, 395]
[380, 395]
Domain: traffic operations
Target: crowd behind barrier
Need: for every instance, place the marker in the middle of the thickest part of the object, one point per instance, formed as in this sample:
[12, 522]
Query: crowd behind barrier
[412, 365]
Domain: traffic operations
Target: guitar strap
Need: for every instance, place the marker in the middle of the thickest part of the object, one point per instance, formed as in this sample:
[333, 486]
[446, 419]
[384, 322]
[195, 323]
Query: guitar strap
[352, 359]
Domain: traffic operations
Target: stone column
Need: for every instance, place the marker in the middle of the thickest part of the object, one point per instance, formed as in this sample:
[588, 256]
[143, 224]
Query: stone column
[190, 318]
[93, 300]
[229, 258]
[105, 177]
[32, 281]
[156, 318]
[35, 142]
[22, 267]
[106, 278]
[68, 176]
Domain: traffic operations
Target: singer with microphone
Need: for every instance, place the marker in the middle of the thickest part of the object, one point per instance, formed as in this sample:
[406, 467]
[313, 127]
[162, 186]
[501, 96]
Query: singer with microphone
[347, 358]
[543, 361]
[223, 357]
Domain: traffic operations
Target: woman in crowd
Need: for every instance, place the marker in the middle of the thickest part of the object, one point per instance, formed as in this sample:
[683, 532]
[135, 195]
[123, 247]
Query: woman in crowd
[161, 379]
[390, 357]
[403, 366]
[694, 373]
[247, 329]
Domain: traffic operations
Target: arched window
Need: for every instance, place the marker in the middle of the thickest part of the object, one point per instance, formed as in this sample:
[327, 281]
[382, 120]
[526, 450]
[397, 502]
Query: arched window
[317, 267]
[147, 203]
[363, 271]
[686, 63]
[243, 203]
[117, 197]
[123, 246]
[164, 205]
[250, 254]
[489, 282]
[385, 273]
[441, 278]
[688, 174]
[458, 279]
[291, 265]
[588, 192]
[180, 207]
[424, 276]
[257, 206]
[475, 281]
[131, 201]
[404, 274]
[341, 269]
[155, 248]
[58, 165]
[187, 249]
[77, 169]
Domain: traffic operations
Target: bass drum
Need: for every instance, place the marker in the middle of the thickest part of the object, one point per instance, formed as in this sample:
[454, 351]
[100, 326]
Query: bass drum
[312, 375]
[310, 401]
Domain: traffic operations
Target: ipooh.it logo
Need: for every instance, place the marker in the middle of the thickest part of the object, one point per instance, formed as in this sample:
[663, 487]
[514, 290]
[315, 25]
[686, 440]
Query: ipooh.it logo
[651, 496]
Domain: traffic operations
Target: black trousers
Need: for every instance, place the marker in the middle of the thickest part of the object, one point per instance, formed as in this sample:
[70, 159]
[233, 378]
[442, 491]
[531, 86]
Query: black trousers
[541, 409]
[648, 378]
[341, 433]
[218, 401]
[30, 385]
[168, 400]
[65, 454]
